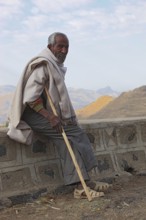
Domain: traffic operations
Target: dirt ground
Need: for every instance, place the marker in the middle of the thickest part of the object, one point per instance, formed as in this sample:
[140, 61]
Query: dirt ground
[126, 200]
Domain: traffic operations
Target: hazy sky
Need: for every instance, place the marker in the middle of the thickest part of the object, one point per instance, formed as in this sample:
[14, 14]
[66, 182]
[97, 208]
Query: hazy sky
[107, 40]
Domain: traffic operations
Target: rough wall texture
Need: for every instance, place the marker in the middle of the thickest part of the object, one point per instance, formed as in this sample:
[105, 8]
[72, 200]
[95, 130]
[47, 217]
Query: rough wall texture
[119, 146]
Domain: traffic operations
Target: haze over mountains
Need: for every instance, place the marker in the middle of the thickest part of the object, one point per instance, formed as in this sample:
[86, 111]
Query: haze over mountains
[6, 89]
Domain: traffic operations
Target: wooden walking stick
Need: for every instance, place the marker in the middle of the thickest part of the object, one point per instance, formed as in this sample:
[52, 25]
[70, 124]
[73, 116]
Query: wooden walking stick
[70, 150]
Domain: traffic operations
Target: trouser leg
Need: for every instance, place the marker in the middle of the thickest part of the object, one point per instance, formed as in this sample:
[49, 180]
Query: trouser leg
[69, 171]
[78, 140]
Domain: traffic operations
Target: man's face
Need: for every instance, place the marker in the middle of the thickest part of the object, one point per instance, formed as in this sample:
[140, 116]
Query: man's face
[60, 48]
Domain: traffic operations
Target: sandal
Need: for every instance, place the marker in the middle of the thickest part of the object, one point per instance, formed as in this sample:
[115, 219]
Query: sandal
[80, 194]
[99, 186]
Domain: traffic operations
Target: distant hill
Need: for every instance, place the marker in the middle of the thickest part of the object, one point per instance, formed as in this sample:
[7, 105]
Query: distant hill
[5, 89]
[82, 97]
[5, 101]
[6, 94]
[128, 104]
[94, 107]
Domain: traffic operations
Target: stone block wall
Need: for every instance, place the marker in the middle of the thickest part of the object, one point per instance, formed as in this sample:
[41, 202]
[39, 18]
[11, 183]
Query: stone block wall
[25, 168]
[118, 145]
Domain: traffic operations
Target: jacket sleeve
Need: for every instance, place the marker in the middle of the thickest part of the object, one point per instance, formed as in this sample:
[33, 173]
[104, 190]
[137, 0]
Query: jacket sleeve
[35, 85]
[34, 89]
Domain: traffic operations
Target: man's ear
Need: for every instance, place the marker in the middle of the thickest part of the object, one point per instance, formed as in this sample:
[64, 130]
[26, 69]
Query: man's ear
[50, 47]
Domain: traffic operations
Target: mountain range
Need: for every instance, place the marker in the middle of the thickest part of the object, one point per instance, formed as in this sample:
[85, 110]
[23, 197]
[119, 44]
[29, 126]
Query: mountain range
[79, 97]
[82, 97]
[89, 104]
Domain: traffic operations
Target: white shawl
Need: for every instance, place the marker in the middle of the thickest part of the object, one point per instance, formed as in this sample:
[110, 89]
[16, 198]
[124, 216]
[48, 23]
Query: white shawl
[53, 79]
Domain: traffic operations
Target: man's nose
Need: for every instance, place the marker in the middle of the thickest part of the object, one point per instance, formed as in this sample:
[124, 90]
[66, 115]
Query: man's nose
[64, 50]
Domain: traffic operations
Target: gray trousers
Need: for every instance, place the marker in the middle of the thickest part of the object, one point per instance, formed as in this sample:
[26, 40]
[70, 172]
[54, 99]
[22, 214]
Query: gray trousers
[78, 140]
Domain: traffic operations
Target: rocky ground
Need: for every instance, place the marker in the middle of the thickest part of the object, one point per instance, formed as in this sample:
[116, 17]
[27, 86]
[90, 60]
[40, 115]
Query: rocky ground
[126, 200]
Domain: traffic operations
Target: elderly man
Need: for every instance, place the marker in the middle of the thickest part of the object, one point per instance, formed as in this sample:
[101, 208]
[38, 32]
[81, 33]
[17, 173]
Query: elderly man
[31, 111]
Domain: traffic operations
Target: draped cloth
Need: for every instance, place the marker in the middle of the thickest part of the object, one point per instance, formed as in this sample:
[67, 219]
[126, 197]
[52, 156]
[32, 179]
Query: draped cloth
[43, 71]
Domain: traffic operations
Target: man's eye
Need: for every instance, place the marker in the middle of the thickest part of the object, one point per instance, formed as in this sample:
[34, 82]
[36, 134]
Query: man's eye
[61, 46]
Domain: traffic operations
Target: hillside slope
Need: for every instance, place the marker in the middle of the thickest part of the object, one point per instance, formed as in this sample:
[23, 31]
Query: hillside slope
[128, 104]
[94, 107]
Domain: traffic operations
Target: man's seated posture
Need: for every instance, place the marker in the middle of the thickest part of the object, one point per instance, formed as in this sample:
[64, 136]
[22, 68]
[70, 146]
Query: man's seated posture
[31, 111]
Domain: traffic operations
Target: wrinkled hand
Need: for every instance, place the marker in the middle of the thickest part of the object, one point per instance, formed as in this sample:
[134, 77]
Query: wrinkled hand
[56, 123]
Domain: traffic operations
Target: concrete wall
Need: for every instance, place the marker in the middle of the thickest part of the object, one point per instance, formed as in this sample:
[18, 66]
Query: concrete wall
[119, 146]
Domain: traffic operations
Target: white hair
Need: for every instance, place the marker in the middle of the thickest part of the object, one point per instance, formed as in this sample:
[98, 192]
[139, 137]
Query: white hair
[52, 37]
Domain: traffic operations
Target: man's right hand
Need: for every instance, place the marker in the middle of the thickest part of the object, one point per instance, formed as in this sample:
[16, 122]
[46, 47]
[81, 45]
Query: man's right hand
[52, 118]
[55, 123]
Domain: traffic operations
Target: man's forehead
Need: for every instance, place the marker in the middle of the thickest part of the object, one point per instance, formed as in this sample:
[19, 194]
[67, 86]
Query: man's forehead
[61, 38]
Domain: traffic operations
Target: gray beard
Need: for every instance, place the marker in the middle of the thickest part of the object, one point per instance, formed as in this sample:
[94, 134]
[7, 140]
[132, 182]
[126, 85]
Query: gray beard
[61, 57]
